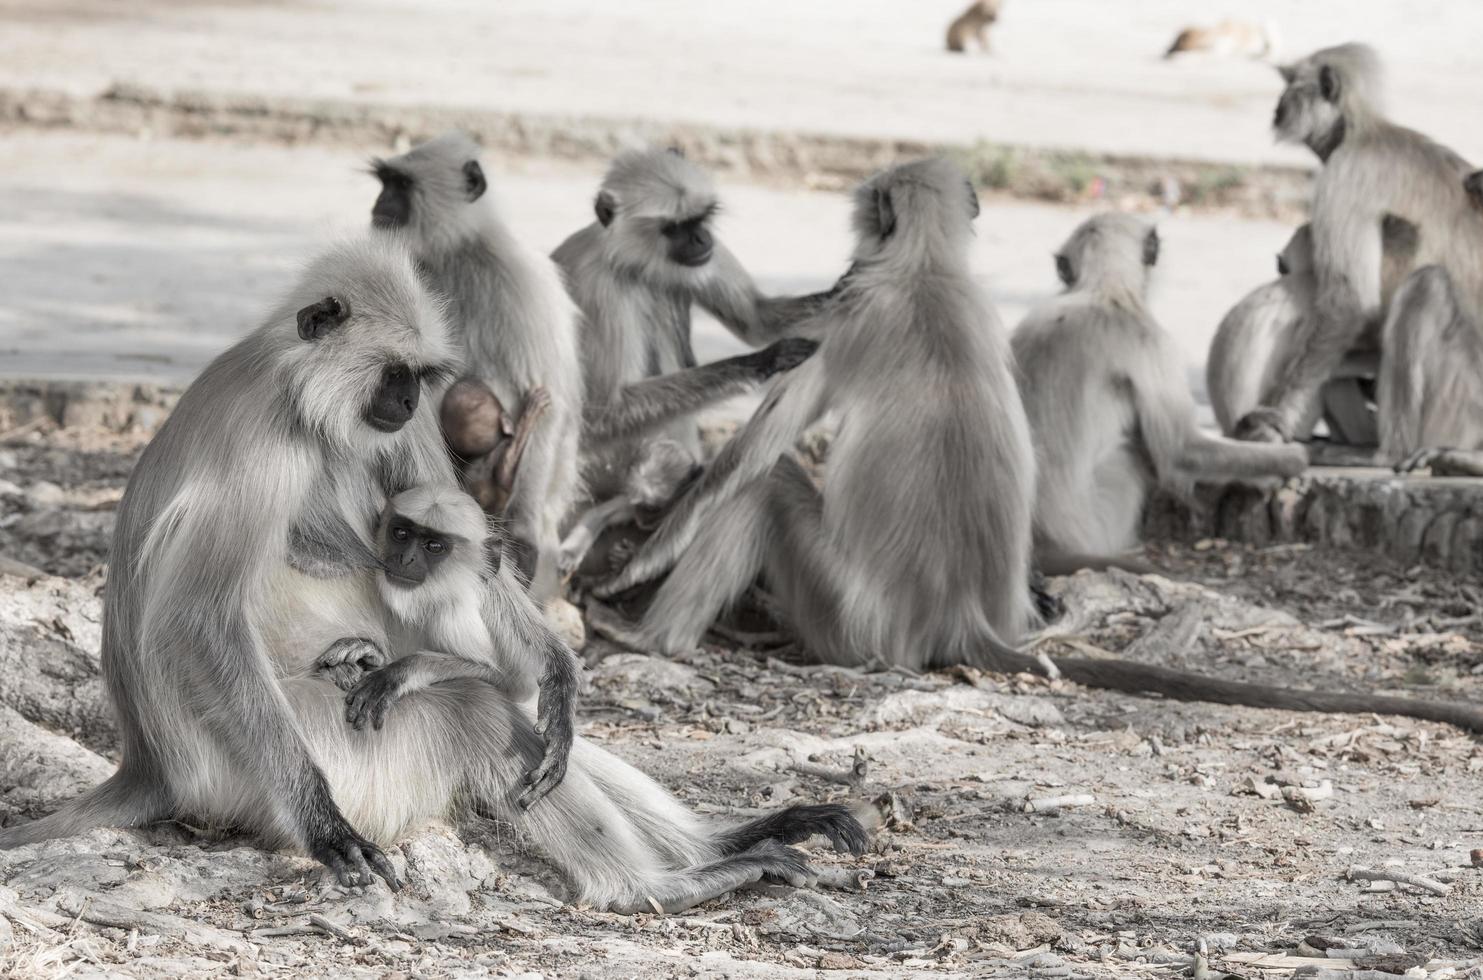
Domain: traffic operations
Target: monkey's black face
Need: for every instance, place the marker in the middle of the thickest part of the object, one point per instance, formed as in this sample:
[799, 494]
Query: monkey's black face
[396, 398]
[689, 242]
[412, 552]
[393, 207]
[1282, 268]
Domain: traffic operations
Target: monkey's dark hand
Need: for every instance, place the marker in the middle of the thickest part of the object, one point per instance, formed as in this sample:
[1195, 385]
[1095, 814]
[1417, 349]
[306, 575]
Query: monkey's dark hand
[783, 355]
[375, 694]
[348, 659]
[556, 723]
[354, 861]
[1263, 425]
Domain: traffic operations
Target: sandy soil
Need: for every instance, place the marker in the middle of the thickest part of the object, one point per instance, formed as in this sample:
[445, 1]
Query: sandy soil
[1178, 832]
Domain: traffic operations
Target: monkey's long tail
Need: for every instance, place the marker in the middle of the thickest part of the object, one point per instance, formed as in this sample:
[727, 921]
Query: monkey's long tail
[121, 800]
[1113, 674]
[1050, 562]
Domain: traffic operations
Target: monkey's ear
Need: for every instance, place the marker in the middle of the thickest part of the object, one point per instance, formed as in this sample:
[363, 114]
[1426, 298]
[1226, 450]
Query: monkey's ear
[494, 548]
[675, 151]
[1064, 272]
[1328, 83]
[1288, 73]
[1282, 268]
[1473, 184]
[318, 319]
[605, 207]
[474, 184]
[973, 208]
[1151, 248]
[885, 213]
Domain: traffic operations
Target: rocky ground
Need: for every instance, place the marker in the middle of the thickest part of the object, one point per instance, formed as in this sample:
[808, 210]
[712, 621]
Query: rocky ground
[1022, 827]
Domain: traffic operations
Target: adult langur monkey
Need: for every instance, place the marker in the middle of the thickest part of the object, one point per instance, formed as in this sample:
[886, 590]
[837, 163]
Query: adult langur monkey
[927, 568]
[512, 319]
[1431, 398]
[636, 272]
[1254, 341]
[1372, 168]
[620, 838]
[1110, 412]
[248, 498]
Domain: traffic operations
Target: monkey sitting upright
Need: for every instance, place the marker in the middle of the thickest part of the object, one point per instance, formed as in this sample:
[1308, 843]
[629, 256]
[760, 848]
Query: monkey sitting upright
[973, 23]
[480, 433]
[437, 553]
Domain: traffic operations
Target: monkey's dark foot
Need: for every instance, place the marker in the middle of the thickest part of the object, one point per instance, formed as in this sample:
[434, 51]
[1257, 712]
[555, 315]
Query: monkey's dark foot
[795, 824]
[373, 697]
[784, 355]
[1050, 607]
[354, 861]
[347, 660]
[1263, 425]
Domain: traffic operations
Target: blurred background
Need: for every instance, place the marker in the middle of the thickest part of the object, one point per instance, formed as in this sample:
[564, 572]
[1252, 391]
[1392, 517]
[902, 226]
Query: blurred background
[165, 164]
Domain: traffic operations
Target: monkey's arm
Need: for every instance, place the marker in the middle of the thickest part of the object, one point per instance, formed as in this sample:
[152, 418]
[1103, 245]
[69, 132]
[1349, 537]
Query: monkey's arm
[1180, 452]
[654, 401]
[529, 655]
[322, 544]
[589, 527]
[537, 403]
[731, 296]
[381, 689]
[795, 403]
[1347, 251]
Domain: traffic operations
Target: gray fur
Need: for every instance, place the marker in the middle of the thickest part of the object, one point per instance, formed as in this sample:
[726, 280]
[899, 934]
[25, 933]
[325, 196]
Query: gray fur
[1111, 414]
[515, 325]
[927, 566]
[1372, 168]
[640, 371]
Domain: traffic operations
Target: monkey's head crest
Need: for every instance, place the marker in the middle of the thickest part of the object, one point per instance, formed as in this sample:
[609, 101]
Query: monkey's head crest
[361, 346]
[656, 210]
[1327, 96]
[914, 210]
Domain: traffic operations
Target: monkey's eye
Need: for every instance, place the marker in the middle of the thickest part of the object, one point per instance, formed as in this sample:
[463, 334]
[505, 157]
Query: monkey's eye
[399, 534]
[434, 546]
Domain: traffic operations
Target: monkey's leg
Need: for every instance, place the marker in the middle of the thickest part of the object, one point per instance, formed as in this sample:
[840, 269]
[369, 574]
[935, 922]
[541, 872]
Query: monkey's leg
[536, 405]
[1431, 362]
[589, 527]
[645, 404]
[381, 689]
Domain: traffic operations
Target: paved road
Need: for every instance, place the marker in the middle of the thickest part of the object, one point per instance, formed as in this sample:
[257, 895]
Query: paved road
[141, 259]
[1082, 74]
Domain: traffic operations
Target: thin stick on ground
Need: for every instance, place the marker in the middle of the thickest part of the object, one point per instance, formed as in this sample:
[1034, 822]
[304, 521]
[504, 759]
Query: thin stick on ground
[1400, 878]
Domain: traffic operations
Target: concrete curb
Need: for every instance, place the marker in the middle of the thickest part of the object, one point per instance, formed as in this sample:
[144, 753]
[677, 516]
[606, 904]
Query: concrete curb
[812, 160]
[1432, 521]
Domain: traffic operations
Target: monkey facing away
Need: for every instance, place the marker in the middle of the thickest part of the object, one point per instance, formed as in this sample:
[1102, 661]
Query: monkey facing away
[480, 431]
[973, 23]
[1431, 395]
[621, 840]
[244, 509]
[929, 567]
[636, 272]
[1372, 168]
[1109, 408]
[1255, 339]
[511, 318]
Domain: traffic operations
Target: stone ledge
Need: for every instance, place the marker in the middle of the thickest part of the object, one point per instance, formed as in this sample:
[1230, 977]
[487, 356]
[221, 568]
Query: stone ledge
[1436, 521]
[110, 405]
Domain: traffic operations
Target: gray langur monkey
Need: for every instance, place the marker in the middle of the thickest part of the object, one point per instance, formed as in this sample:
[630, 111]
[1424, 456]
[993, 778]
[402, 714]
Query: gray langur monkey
[663, 472]
[917, 551]
[621, 839]
[511, 318]
[1254, 340]
[1371, 168]
[1110, 412]
[238, 522]
[636, 272]
[1431, 398]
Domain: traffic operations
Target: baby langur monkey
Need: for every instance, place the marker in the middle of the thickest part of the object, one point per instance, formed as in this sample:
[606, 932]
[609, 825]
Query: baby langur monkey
[481, 434]
[665, 471]
[437, 551]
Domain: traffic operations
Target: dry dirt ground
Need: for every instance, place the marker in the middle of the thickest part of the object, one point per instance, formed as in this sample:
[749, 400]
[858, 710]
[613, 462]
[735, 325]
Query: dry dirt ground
[1022, 827]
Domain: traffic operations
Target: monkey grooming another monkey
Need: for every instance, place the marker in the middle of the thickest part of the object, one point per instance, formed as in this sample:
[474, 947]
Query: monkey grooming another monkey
[437, 556]
[636, 272]
[1372, 168]
[973, 23]
[1109, 409]
[514, 324]
[928, 568]
[1431, 398]
[479, 431]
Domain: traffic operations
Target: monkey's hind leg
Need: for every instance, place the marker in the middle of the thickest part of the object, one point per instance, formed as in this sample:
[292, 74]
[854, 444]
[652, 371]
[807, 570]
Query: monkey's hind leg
[125, 799]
